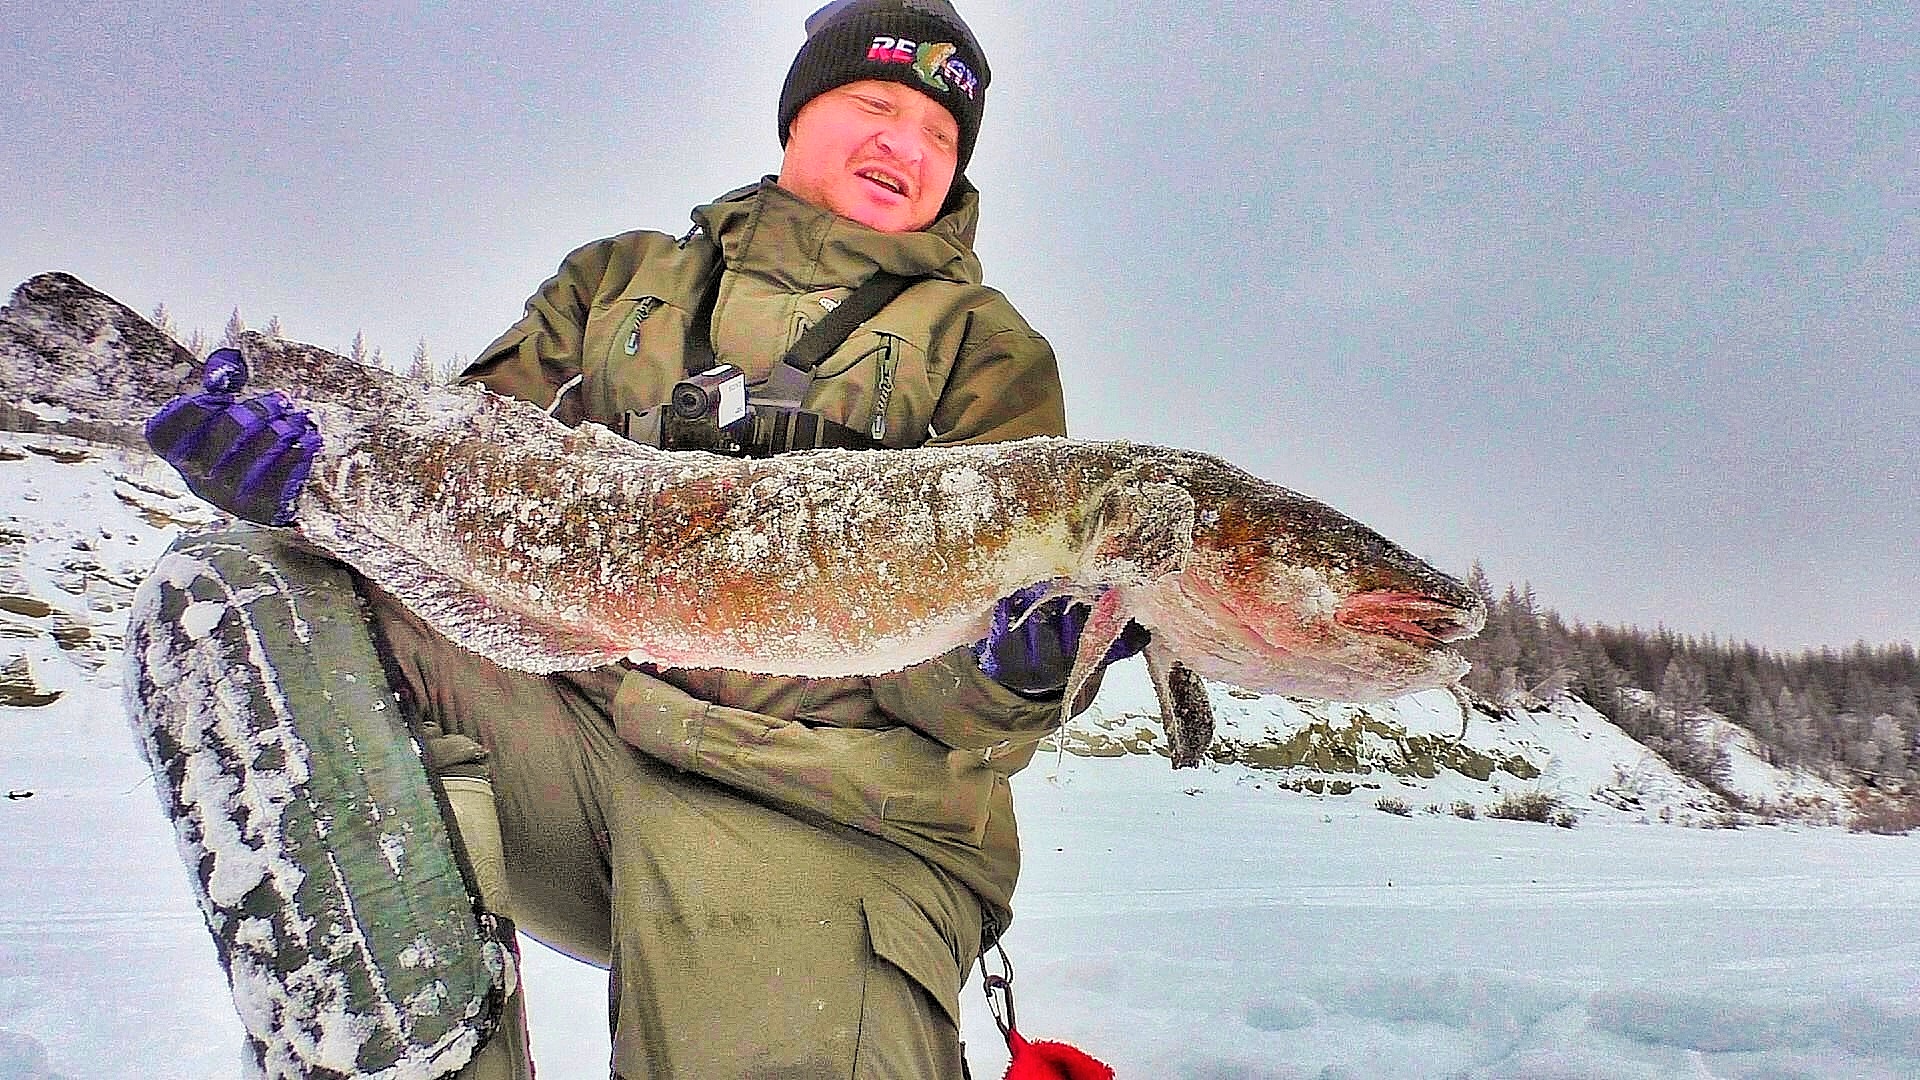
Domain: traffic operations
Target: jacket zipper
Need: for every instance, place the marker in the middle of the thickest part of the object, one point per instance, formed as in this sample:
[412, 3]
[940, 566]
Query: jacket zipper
[883, 390]
[640, 312]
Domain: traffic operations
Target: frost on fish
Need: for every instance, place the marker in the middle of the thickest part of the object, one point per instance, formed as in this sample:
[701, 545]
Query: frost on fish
[546, 548]
[293, 831]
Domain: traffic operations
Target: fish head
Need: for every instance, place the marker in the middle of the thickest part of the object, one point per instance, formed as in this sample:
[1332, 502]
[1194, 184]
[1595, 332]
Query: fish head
[1279, 593]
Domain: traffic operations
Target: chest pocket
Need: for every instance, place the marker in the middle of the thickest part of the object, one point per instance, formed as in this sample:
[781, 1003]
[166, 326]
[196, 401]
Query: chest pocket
[636, 344]
[633, 351]
[877, 384]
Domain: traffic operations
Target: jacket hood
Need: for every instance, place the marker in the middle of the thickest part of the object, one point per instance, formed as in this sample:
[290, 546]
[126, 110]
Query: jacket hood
[766, 230]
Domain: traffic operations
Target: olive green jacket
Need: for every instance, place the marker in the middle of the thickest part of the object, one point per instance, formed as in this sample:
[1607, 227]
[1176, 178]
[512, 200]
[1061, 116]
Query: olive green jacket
[919, 756]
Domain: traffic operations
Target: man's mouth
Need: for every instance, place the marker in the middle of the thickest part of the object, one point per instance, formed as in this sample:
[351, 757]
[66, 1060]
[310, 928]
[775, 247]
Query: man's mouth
[895, 184]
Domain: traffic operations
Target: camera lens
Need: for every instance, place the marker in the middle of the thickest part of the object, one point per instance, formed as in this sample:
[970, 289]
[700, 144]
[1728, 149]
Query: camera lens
[690, 401]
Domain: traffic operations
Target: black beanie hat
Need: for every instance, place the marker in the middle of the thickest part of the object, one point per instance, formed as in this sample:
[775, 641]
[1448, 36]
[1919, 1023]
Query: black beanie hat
[917, 43]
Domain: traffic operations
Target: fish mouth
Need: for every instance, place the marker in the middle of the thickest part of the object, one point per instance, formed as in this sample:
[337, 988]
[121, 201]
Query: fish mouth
[1417, 619]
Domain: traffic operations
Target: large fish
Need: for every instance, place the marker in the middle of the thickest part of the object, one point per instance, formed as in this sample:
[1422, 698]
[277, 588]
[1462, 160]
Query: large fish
[547, 548]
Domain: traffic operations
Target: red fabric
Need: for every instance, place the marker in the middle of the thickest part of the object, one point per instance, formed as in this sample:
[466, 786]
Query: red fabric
[1051, 1061]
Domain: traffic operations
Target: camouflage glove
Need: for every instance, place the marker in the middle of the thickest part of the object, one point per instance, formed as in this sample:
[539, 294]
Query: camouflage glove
[248, 457]
[1032, 656]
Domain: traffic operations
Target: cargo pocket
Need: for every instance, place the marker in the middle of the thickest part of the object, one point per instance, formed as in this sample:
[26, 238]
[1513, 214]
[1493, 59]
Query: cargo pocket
[893, 782]
[910, 1004]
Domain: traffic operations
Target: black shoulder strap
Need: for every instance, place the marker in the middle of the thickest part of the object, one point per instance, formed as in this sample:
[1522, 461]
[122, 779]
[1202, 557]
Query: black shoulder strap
[700, 355]
[786, 385]
[779, 424]
[820, 339]
[839, 324]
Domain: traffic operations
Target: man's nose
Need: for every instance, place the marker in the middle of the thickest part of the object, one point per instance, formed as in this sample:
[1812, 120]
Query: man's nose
[899, 142]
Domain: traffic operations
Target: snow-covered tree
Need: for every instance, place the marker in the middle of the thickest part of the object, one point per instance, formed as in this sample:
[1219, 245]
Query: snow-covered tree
[1762, 720]
[421, 369]
[358, 350]
[162, 320]
[273, 328]
[1477, 581]
[1684, 687]
[235, 327]
[1890, 742]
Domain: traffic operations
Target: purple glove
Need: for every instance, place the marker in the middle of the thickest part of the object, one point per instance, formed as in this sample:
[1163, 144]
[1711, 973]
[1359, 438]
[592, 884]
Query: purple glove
[249, 458]
[1034, 657]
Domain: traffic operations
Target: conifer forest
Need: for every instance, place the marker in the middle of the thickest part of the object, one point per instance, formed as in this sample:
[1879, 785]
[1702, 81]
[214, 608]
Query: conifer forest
[1851, 714]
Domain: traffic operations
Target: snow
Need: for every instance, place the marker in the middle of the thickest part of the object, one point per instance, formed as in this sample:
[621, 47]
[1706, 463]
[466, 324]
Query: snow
[1209, 923]
[1220, 930]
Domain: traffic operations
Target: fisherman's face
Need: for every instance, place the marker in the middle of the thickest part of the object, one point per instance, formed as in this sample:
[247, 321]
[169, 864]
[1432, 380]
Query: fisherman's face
[877, 152]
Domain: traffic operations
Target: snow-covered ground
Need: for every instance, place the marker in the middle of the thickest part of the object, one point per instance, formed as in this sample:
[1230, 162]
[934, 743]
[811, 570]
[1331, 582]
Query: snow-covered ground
[1210, 923]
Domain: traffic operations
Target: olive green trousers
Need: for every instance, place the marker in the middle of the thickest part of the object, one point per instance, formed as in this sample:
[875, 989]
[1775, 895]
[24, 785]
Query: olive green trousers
[740, 941]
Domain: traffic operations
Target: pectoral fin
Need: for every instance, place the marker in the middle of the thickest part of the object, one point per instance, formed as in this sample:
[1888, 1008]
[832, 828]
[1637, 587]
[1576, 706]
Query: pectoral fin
[1104, 625]
[1185, 709]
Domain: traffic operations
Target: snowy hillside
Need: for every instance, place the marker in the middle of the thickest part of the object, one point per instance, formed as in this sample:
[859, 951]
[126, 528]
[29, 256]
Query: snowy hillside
[1420, 751]
[80, 524]
[1256, 917]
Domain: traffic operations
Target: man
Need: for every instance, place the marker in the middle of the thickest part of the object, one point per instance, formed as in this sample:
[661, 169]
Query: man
[784, 876]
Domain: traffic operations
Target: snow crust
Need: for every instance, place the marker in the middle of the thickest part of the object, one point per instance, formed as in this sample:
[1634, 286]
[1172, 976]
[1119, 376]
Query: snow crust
[47, 410]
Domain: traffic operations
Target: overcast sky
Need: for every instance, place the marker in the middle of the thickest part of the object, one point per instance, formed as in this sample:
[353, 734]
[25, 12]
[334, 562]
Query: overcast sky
[1618, 300]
